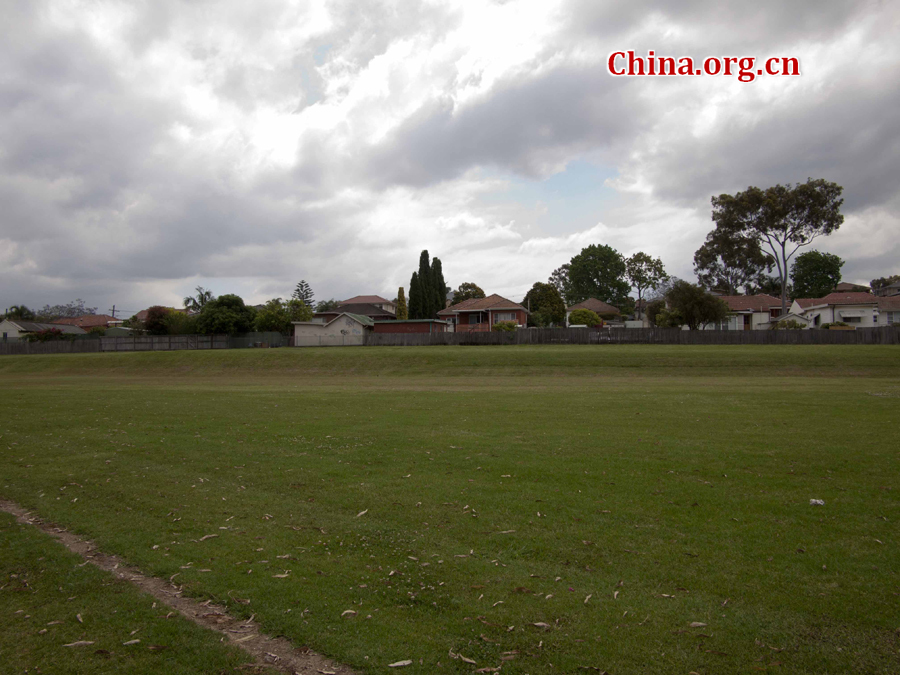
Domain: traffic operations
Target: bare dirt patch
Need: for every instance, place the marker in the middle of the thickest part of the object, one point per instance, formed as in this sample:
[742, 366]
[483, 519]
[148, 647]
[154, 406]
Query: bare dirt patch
[267, 651]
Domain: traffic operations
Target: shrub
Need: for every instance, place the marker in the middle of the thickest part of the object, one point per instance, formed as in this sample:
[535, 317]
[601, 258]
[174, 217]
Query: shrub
[788, 324]
[48, 335]
[826, 326]
[506, 326]
[585, 317]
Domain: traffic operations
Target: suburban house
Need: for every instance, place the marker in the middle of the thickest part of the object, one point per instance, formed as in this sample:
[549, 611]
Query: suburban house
[889, 311]
[855, 309]
[480, 314]
[750, 312]
[887, 291]
[602, 309]
[412, 326]
[343, 329]
[376, 300]
[14, 329]
[89, 321]
[374, 312]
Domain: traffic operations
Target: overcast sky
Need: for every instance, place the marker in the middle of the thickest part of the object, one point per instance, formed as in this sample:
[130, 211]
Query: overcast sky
[150, 147]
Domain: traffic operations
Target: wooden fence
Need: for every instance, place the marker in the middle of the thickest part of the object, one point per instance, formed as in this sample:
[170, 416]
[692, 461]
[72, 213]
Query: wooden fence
[145, 343]
[656, 336]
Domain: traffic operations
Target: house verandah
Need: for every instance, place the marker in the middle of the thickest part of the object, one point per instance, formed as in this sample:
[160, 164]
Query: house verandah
[478, 315]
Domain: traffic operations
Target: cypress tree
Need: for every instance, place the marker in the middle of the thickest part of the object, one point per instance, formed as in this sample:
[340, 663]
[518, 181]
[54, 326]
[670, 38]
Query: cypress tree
[415, 302]
[440, 288]
[402, 310]
[426, 300]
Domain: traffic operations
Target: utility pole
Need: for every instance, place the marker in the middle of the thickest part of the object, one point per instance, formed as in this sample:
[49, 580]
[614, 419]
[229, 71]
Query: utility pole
[113, 311]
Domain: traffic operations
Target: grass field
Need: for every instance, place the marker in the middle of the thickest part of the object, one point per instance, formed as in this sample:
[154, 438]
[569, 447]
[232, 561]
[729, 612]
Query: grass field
[547, 509]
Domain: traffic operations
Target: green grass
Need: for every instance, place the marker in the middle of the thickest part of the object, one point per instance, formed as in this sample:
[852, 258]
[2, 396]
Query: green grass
[48, 599]
[669, 484]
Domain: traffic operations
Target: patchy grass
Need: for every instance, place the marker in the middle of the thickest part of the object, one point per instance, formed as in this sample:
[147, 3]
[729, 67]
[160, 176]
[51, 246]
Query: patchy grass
[49, 599]
[615, 494]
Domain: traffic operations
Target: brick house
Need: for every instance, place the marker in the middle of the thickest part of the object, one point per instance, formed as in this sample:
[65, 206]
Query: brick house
[480, 314]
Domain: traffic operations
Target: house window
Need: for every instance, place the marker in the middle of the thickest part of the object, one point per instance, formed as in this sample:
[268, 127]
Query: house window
[475, 318]
[852, 319]
[890, 319]
[504, 316]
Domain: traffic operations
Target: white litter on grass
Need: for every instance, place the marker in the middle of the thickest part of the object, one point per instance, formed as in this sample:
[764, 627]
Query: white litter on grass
[817, 502]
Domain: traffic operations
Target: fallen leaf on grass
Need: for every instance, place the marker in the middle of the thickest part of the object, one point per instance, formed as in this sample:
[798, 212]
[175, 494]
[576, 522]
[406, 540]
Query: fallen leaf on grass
[697, 624]
[589, 596]
[80, 620]
[207, 536]
[80, 643]
[400, 664]
[488, 670]
[615, 595]
[541, 624]
[131, 642]
[348, 612]
[157, 648]
[362, 513]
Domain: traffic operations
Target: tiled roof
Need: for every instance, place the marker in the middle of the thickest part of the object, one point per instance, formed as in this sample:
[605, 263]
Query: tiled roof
[595, 305]
[889, 304]
[838, 299]
[751, 303]
[34, 327]
[845, 287]
[481, 304]
[365, 309]
[90, 320]
[364, 300]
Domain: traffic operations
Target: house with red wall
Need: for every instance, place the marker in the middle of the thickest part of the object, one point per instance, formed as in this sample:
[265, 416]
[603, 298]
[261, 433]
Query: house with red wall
[480, 314]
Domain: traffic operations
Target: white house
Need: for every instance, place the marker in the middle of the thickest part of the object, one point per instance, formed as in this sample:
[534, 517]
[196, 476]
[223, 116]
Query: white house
[343, 330]
[14, 329]
[860, 310]
[889, 311]
[749, 312]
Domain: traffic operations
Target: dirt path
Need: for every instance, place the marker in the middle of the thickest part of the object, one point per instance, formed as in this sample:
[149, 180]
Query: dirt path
[267, 651]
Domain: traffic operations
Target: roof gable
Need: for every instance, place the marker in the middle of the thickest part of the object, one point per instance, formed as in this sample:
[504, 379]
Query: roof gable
[364, 300]
[491, 302]
[838, 299]
[751, 303]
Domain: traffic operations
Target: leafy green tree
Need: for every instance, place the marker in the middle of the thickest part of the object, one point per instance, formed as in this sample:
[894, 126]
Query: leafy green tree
[277, 315]
[696, 306]
[198, 302]
[180, 323]
[20, 312]
[585, 317]
[731, 262]
[155, 322]
[425, 305]
[644, 273]
[782, 218]
[598, 272]
[415, 297]
[68, 311]
[545, 305]
[881, 282]
[402, 309]
[668, 318]
[304, 293]
[327, 305]
[560, 279]
[815, 274]
[654, 307]
[227, 315]
[467, 291]
[439, 287]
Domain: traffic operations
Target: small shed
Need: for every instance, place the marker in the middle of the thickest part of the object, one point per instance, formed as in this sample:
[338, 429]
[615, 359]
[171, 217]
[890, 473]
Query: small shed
[345, 329]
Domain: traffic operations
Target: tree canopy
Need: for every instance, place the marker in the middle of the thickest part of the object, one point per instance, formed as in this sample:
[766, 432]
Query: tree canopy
[227, 314]
[815, 274]
[881, 282]
[644, 273]
[545, 305]
[327, 305]
[599, 272]
[585, 317]
[402, 308]
[731, 263]
[560, 280]
[304, 293]
[155, 321]
[195, 303]
[70, 310]
[427, 290]
[467, 291]
[696, 306]
[782, 218]
[19, 312]
[278, 314]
